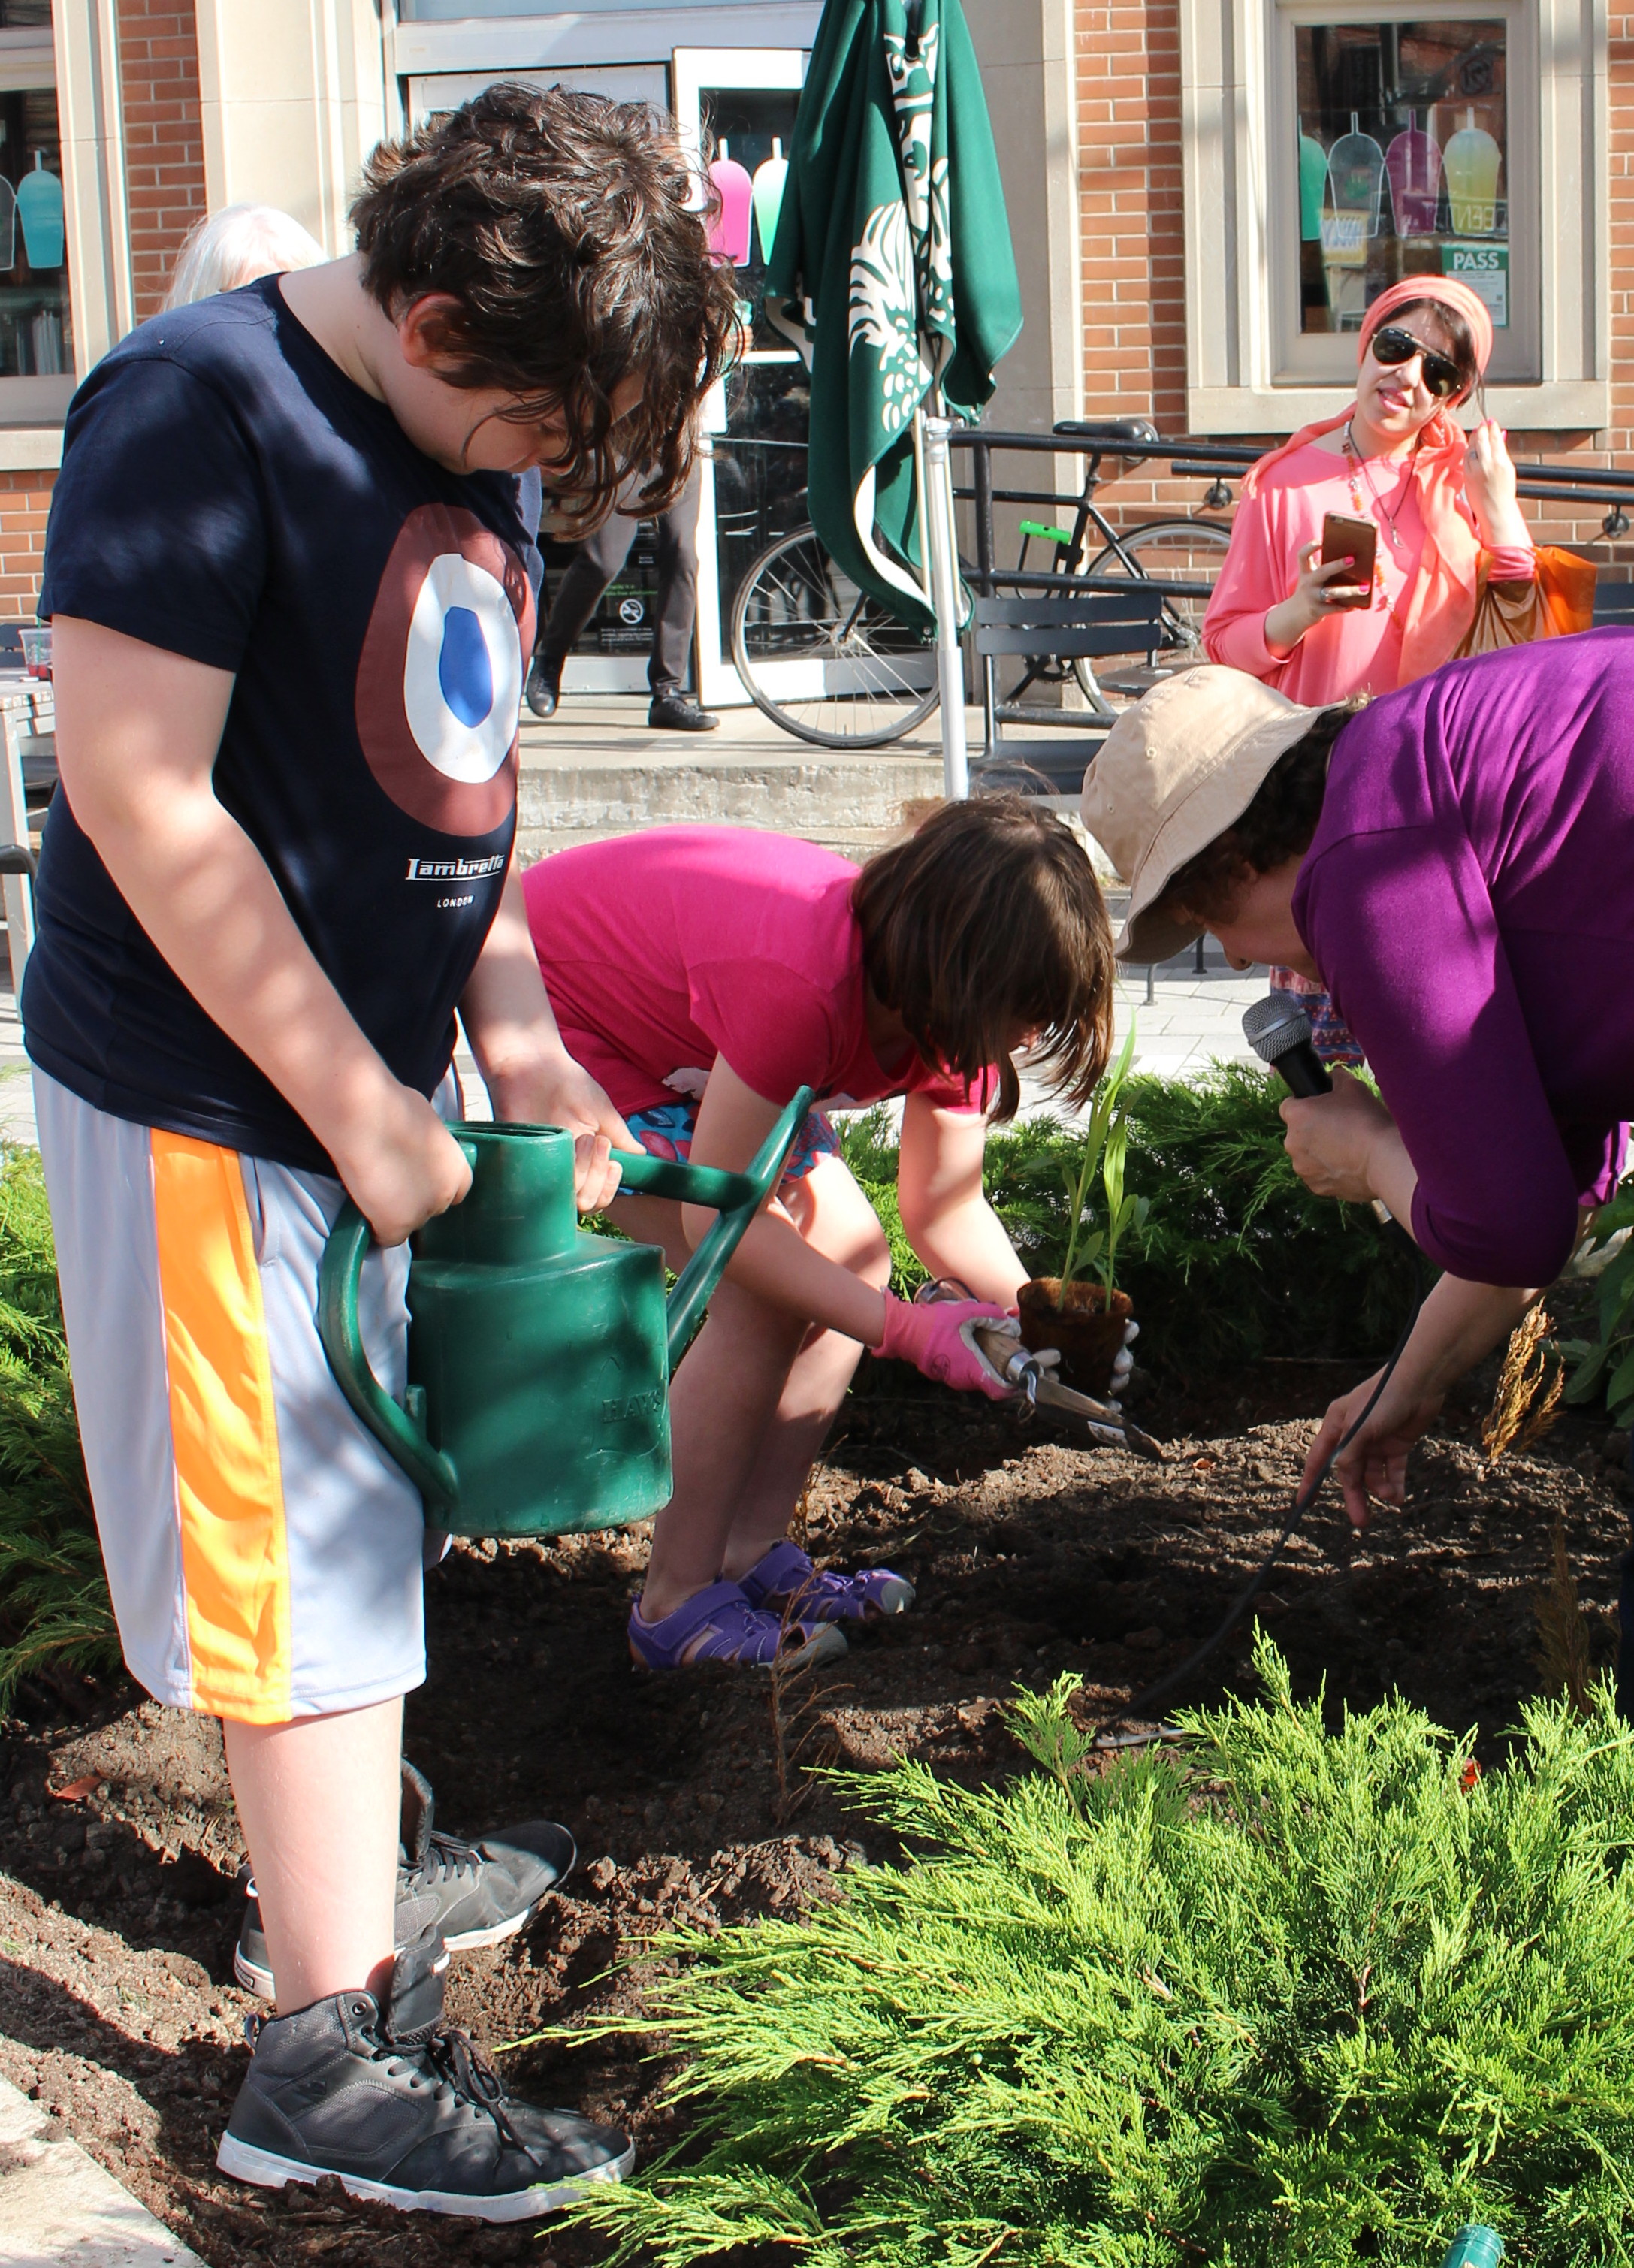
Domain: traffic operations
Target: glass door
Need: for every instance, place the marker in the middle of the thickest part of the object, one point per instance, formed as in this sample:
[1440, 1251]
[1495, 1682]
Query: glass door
[743, 101]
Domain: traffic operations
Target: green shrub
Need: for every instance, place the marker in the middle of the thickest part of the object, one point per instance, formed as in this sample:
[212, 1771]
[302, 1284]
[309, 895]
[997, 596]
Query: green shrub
[1237, 1259]
[55, 1613]
[1604, 1367]
[1300, 1996]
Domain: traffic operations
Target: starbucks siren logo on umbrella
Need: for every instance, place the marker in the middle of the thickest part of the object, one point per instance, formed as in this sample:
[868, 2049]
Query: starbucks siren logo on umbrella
[882, 317]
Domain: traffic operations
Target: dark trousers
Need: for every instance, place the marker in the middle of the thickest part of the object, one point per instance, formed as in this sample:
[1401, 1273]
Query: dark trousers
[598, 560]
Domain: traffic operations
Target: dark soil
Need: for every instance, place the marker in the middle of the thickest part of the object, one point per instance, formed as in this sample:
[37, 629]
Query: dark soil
[118, 1842]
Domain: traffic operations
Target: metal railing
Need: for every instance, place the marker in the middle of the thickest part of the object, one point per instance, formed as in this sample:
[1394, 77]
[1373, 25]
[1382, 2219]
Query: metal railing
[1581, 484]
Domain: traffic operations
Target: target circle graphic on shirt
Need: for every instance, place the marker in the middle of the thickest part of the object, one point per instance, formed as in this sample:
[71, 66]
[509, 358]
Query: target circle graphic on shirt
[439, 676]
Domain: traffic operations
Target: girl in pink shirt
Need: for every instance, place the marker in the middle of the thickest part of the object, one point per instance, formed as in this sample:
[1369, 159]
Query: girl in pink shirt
[1438, 497]
[702, 974]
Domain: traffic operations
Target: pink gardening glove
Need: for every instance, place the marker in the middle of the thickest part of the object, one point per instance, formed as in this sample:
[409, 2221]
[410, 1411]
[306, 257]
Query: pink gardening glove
[928, 1338]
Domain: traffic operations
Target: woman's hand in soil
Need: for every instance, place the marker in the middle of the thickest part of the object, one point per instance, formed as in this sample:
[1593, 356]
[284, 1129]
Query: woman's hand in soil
[929, 1338]
[1335, 1142]
[1375, 1467]
[1312, 599]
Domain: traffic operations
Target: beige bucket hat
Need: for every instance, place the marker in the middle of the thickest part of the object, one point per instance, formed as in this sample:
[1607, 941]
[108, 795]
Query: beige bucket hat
[1175, 771]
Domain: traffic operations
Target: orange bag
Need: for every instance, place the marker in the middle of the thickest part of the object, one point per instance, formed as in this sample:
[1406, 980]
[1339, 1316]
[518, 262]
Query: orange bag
[1559, 603]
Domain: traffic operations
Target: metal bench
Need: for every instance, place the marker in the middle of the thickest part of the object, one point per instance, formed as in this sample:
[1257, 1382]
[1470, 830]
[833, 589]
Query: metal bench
[1614, 603]
[1094, 621]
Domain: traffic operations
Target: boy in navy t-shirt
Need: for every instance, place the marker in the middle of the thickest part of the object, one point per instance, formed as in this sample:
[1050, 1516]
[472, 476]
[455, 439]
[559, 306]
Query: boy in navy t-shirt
[286, 567]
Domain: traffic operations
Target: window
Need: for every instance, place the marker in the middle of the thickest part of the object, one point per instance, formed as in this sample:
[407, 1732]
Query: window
[1401, 134]
[1333, 147]
[36, 327]
[1401, 156]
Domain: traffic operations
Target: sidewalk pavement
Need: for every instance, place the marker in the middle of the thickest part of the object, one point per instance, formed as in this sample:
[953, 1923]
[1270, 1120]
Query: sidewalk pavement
[60, 2209]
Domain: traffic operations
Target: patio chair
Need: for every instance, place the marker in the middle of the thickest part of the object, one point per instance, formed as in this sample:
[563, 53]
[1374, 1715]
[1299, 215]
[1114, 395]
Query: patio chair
[1074, 621]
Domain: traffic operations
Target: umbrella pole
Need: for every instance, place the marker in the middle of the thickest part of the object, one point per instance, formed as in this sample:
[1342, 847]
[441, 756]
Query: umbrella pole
[942, 573]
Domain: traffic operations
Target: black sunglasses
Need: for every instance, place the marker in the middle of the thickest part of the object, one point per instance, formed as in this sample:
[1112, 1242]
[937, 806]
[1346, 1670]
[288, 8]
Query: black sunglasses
[1392, 345]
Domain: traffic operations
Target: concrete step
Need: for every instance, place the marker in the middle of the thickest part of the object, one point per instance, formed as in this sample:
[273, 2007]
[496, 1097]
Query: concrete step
[596, 770]
[534, 843]
[797, 797]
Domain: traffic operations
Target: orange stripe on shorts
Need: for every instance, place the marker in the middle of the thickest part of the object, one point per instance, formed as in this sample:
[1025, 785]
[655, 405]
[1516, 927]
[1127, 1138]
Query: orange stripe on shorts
[224, 1434]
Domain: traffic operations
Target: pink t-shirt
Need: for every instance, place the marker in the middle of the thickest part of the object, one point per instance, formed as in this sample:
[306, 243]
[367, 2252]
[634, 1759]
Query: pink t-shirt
[663, 950]
[1353, 649]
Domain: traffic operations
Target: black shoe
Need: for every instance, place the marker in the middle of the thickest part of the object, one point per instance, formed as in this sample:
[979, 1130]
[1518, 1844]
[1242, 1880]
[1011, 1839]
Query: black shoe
[486, 1890]
[407, 2110]
[475, 1893]
[544, 689]
[678, 712]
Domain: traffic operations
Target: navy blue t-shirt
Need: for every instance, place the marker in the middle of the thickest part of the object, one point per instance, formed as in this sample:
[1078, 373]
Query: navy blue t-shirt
[227, 493]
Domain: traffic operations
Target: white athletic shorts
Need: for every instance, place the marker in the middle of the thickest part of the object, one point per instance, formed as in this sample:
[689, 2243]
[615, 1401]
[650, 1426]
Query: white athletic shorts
[265, 1555]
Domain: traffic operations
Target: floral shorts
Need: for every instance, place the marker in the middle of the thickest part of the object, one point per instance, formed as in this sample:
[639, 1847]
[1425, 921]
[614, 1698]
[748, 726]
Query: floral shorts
[666, 1132]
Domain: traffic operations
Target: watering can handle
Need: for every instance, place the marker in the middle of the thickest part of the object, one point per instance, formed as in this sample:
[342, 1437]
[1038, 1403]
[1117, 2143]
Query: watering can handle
[736, 1197]
[391, 1424]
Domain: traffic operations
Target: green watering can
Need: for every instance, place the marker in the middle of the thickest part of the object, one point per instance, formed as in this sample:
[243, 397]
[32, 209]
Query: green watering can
[539, 1357]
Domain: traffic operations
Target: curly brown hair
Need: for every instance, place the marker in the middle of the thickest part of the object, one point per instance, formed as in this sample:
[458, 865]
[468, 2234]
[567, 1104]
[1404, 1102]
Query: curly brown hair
[986, 922]
[1278, 825]
[564, 226]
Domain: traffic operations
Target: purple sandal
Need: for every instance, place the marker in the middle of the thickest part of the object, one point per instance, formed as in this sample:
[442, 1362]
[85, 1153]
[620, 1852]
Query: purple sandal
[720, 1624]
[786, 1572]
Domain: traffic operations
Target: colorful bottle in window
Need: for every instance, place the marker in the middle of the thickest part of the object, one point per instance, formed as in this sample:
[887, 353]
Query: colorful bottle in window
[771, 178]
[729, 238]
[1472, 159]
[1412, 164]
[1356, 176]
[40, 210]
[1313, 183]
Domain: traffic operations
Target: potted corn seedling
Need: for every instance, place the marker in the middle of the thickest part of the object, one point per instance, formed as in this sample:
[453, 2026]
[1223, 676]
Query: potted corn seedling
[1081, 1311]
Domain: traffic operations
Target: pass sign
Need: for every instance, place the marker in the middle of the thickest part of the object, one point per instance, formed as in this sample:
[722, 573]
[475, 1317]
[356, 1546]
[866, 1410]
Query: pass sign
[1485, 269]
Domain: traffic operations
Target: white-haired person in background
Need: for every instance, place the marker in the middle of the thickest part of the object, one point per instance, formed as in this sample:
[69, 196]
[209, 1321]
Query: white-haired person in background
[236, 246]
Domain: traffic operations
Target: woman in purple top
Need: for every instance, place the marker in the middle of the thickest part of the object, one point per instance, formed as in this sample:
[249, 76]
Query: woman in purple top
[1455, 862]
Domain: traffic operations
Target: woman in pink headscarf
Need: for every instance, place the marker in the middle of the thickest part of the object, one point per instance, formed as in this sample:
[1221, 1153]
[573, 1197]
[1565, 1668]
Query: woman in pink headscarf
[1397, 456]
[1439, 498]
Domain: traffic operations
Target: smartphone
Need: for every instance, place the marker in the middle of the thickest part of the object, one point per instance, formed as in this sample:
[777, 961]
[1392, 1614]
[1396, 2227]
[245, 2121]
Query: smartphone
[1343, 538]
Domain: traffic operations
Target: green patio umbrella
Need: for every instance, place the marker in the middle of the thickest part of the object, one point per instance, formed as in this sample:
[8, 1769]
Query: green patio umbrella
[892, 270]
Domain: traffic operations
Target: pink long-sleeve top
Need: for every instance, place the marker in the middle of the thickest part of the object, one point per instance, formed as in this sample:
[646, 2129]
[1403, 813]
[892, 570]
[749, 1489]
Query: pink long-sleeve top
[1354, 650]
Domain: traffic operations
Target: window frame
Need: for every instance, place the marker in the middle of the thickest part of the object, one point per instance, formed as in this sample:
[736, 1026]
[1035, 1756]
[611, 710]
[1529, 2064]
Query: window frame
[1303, 358]
[28, 62]
[1239, 163]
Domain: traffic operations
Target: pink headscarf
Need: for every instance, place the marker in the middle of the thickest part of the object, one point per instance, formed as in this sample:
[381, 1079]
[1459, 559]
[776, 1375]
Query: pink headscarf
[1440, 606]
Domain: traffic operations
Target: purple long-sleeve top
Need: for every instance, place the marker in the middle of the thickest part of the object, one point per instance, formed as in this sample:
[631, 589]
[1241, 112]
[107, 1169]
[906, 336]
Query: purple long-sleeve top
[1469, 898]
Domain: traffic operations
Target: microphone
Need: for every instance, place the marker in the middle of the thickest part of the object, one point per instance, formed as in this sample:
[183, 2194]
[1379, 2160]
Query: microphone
[1279, 1032]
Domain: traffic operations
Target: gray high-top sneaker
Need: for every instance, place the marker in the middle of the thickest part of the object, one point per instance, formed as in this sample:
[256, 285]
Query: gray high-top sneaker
[405, 2110]
[476, 1894]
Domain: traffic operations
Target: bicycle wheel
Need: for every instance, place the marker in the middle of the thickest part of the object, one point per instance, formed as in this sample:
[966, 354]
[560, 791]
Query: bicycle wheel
[1162, 551]
[821, 658]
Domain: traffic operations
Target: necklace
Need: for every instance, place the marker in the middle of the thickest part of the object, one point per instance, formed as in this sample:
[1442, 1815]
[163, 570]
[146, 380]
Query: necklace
[1354, 461]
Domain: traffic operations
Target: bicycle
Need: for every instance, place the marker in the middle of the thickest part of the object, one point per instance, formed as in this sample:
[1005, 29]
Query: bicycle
[828, 663]
[1186, 550]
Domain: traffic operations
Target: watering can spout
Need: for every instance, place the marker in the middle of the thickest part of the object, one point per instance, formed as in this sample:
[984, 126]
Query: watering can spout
[540, 1357]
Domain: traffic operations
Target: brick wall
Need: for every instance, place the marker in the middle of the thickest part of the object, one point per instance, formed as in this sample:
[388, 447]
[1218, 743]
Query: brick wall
[159, 60]
[1131, 201]
[24, 500]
